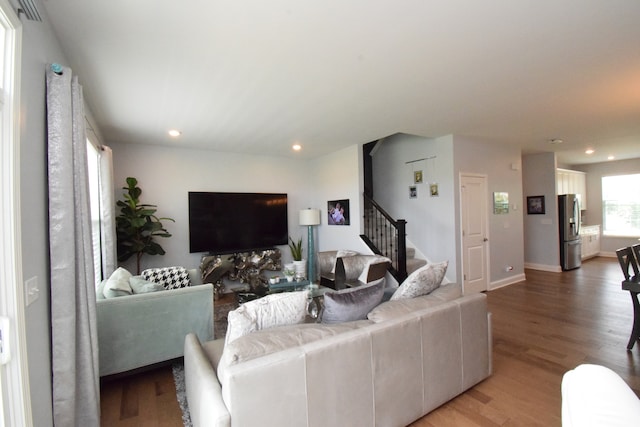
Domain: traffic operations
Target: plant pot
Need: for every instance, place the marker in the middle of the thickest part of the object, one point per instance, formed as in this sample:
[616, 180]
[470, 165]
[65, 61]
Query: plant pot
[300, 267]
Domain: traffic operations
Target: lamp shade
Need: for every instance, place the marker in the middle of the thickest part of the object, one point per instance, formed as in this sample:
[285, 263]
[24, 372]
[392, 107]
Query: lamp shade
[310, 217]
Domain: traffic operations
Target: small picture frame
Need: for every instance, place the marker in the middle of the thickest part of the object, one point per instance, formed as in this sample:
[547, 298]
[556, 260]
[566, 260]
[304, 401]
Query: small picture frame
[535, 205]
[413, 192]
[417, 177]
[500, 202]
[433, 189]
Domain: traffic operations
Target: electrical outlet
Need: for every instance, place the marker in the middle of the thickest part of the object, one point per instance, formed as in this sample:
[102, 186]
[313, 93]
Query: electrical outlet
[31, 290]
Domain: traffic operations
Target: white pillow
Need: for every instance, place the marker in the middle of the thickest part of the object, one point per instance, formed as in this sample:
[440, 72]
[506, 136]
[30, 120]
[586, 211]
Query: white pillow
[340, 254]
[141, 286]
[286, 308]
[118, 284]
[422, 281]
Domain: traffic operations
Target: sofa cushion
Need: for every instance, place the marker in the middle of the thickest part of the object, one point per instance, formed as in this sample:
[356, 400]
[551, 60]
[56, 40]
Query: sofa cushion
[281, 338]
[422, 281]
[285, 308]
[117, 284]
[168, 277]
[392, 309]
[141, 286]
[352, 303]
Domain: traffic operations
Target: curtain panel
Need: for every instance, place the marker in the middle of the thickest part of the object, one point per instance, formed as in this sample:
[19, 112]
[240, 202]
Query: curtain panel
[76, 386]
[107, 213]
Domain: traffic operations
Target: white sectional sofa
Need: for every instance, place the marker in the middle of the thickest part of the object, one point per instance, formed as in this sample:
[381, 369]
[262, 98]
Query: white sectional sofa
[411, 357]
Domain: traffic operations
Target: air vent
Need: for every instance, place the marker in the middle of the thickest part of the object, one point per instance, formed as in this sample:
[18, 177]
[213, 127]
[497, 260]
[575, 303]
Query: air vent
[29, 9]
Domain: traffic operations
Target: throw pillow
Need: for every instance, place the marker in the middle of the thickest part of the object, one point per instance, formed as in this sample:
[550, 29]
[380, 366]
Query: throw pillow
[117, 284]
[340, 254]
[168, 277]
[281, 309]
[352, 303]
[141, 286]
[422, 281]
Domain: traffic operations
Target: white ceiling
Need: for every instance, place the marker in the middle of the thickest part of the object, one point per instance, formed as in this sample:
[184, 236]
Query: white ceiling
[257, 76]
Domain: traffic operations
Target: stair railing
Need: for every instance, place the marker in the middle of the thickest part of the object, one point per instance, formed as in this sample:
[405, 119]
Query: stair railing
[386, 236]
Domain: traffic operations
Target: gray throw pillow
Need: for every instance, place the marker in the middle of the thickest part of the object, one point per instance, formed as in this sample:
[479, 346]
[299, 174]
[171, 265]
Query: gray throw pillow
[352, 303]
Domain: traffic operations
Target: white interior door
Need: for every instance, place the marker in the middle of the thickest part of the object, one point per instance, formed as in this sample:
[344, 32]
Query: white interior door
[475, 241]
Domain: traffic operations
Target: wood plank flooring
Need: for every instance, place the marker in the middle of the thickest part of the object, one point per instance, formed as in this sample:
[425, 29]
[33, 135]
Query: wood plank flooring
[542, 327]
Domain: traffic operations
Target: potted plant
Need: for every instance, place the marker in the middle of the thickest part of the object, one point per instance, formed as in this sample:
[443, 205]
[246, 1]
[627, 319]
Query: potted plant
[137, 226]
[296, 253]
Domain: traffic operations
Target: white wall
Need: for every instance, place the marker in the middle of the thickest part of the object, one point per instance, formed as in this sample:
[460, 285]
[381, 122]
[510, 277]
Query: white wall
[430, 220]
[541, 235]
[501, 163]
[338, 176]
[39, 47]
[167, 174]
[593, 214]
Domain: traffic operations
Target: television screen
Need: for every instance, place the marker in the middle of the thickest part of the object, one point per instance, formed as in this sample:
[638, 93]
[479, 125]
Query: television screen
[222, 223]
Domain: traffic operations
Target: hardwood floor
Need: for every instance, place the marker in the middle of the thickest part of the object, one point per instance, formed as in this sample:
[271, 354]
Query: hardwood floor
[542, 327]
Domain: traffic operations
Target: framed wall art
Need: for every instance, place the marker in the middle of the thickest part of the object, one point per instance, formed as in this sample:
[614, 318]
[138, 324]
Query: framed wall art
[413, 192]
[417, 177]
[500, 202]
[535, 205]
[338, 212]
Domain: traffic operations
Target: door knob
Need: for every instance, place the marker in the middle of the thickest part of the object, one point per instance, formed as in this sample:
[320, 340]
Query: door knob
[485, 240]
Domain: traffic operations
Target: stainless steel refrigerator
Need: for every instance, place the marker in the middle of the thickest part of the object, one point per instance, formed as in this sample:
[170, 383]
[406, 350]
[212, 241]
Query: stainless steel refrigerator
[570, 242]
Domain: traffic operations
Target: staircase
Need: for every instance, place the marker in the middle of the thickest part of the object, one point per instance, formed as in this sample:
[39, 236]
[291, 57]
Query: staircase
[386, 236]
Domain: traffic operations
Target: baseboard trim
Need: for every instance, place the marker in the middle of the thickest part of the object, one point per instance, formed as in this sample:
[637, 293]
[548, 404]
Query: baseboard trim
[507, 281]
[543, 267]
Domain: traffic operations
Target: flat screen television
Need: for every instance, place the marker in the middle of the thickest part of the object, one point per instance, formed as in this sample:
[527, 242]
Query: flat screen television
[222, 223]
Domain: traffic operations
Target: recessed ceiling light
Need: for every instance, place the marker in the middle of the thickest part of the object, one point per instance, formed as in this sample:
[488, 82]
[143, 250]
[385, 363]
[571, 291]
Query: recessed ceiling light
[297, 147]
[175, 133]
[590, 151]
[611, 158]
[555, 141]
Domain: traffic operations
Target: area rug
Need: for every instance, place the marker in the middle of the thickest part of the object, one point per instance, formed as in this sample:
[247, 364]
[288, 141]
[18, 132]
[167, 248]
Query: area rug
[181, 394]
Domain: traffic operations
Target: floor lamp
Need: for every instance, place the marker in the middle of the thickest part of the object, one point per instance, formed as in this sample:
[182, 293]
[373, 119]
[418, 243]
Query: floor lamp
[310, 217]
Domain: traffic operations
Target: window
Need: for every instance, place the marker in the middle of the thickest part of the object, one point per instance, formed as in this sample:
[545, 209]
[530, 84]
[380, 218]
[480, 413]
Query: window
[93, 169]
[621, 205]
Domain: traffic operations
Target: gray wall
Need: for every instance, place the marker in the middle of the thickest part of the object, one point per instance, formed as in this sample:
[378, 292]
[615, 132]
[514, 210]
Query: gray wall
[541, 235]
[431, 225]
[593, 214]
[39, 47]
[501, 163]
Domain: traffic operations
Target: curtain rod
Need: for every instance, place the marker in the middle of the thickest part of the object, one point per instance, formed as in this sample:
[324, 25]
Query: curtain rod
[419, 160]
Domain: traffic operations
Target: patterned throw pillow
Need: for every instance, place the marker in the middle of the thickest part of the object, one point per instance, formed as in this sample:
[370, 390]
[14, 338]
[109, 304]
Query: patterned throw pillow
[286, 308]
[422, 281]
[168, 277]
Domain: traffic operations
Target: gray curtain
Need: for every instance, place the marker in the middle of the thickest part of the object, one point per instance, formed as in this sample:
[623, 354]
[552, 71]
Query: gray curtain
[107, 213]
[76, 387]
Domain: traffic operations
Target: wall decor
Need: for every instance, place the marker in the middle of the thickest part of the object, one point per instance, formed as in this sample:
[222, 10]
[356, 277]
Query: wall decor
[417, 177]
[433, 189]
[338, 212]
[500, 202]
[413, 192]
[535, 205]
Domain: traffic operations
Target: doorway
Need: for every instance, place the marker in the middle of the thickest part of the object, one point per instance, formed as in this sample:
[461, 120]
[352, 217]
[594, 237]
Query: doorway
[474, 233]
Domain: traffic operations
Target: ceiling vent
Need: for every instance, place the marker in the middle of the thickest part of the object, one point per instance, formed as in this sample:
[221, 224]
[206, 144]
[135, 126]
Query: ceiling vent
[29, 9]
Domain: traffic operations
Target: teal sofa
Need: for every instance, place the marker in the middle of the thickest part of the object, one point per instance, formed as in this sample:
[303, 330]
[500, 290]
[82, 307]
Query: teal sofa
[143, 329]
